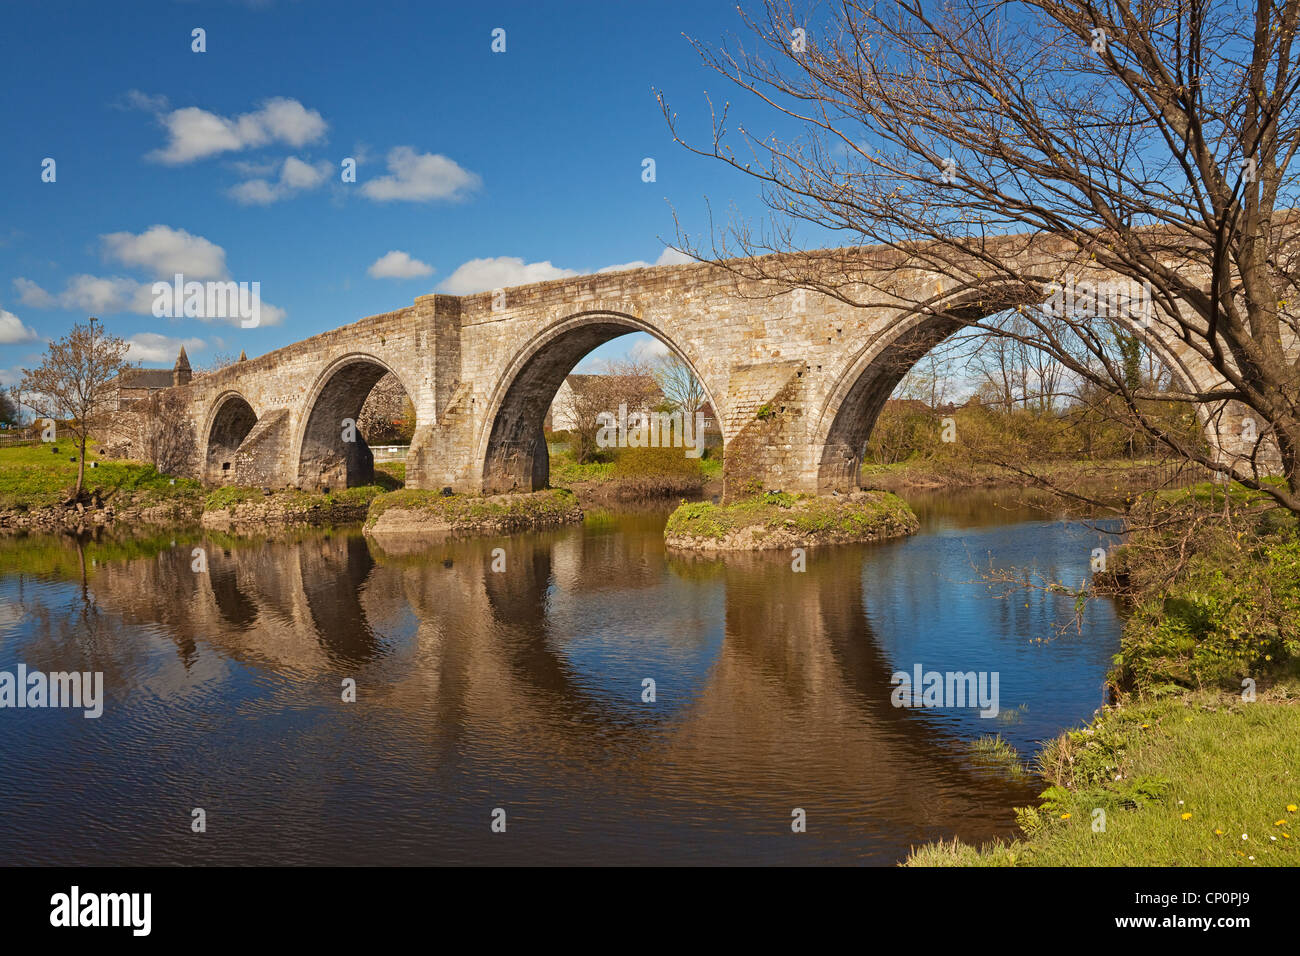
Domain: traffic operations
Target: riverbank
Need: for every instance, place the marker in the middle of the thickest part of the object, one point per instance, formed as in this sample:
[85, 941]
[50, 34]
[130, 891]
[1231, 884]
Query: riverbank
[430, 515]
[781, 520]
[1195, 762]
[638, 475]
[252, 509]
[935, 474]
[37, 482]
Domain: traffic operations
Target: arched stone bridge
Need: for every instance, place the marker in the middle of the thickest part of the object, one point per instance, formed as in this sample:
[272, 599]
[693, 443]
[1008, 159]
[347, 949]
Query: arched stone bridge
[797, 378]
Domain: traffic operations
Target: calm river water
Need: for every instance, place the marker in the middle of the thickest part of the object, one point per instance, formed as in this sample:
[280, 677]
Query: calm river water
[522, 690]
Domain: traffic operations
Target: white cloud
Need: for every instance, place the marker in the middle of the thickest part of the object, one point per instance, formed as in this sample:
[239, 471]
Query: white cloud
[647, 348]
[421, 177]
[152, 347]
[502, 272]
[29, 293]
[398, 265]
[295, 177]
[196, 133]
[162, 252]
[113, 295]
[669, 257]
[480, 275]
[150, 103]
[12, 330]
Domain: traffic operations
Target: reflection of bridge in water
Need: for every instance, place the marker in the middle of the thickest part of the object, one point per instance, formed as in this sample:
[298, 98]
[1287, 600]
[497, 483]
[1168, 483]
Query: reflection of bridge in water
[791, 694]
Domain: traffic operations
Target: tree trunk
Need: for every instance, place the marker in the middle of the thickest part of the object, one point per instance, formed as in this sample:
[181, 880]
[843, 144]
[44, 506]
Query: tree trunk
[81, 467]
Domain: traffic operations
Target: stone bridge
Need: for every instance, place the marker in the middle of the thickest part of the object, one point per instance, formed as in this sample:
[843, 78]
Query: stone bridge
[797, 378]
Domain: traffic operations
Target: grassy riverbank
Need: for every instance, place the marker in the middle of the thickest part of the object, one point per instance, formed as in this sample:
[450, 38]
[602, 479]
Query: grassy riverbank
[1198, 761]
[33, 476]
[411, 512]
[783, 520]
[1117, 474]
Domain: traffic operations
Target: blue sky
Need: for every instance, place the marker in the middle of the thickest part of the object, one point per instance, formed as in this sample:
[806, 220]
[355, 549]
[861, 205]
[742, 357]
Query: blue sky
[475, 169]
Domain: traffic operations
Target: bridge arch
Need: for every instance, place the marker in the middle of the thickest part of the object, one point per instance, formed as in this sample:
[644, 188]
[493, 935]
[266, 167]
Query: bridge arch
[229, 423]
[511, 445]
[322, 458]
[858, 397]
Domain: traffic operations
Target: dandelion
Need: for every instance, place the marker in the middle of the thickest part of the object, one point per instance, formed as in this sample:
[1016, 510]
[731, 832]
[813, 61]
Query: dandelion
[1290, 808]
[1065, 816]
[1187, 816]
[1218, 833]
[1278, 823]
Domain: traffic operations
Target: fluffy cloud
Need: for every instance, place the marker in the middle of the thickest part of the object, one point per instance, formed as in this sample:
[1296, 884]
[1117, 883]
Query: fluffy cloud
[295, 176]
[669, 257]
[480, 275]
[195, 133]
[99, 295]
[152, 347]
[12, 330]
[502, 272]
[398, 265]
[420, 177]
[162, 252]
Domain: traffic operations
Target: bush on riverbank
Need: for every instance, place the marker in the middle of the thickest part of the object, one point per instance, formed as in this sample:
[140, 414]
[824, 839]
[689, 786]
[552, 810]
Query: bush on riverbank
[783, 520]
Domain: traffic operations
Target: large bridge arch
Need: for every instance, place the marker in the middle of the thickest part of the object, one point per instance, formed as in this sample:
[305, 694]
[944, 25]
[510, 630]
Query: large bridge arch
[856, 400]
[321, 458]
[511, 446]
[228, 424]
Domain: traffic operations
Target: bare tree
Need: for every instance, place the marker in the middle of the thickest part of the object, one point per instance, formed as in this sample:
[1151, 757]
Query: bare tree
[167, 436]
[1006, 145]
[630, 382]
[75, 382]
[683, 391]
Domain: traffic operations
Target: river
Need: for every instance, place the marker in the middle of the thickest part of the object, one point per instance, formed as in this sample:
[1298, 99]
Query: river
[505, 680]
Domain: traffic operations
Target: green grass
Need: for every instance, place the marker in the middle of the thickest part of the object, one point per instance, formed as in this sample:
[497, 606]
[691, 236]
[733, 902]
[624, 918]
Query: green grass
[474, 509]
[33, 476]
[1179, 778]
[810, 515]
[629, 465]
[230, 496]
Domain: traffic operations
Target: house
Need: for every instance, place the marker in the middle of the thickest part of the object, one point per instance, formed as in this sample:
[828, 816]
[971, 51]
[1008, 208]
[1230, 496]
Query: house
[137, 384]
[588, 395]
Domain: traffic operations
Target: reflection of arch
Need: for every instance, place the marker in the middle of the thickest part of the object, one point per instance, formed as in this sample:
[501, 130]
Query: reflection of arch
[232, 420]
[332, 589]
[324, 459]
[857, 399]
[512, 446]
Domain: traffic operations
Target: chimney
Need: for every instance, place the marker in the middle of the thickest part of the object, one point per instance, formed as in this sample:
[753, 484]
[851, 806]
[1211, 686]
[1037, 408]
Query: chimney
[181, 372]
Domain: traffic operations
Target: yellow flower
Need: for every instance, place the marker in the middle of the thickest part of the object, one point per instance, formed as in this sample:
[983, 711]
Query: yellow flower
[1187, 816]
[1290, 808]
[1219, 832]
[1278, 823]
[1065, 816]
